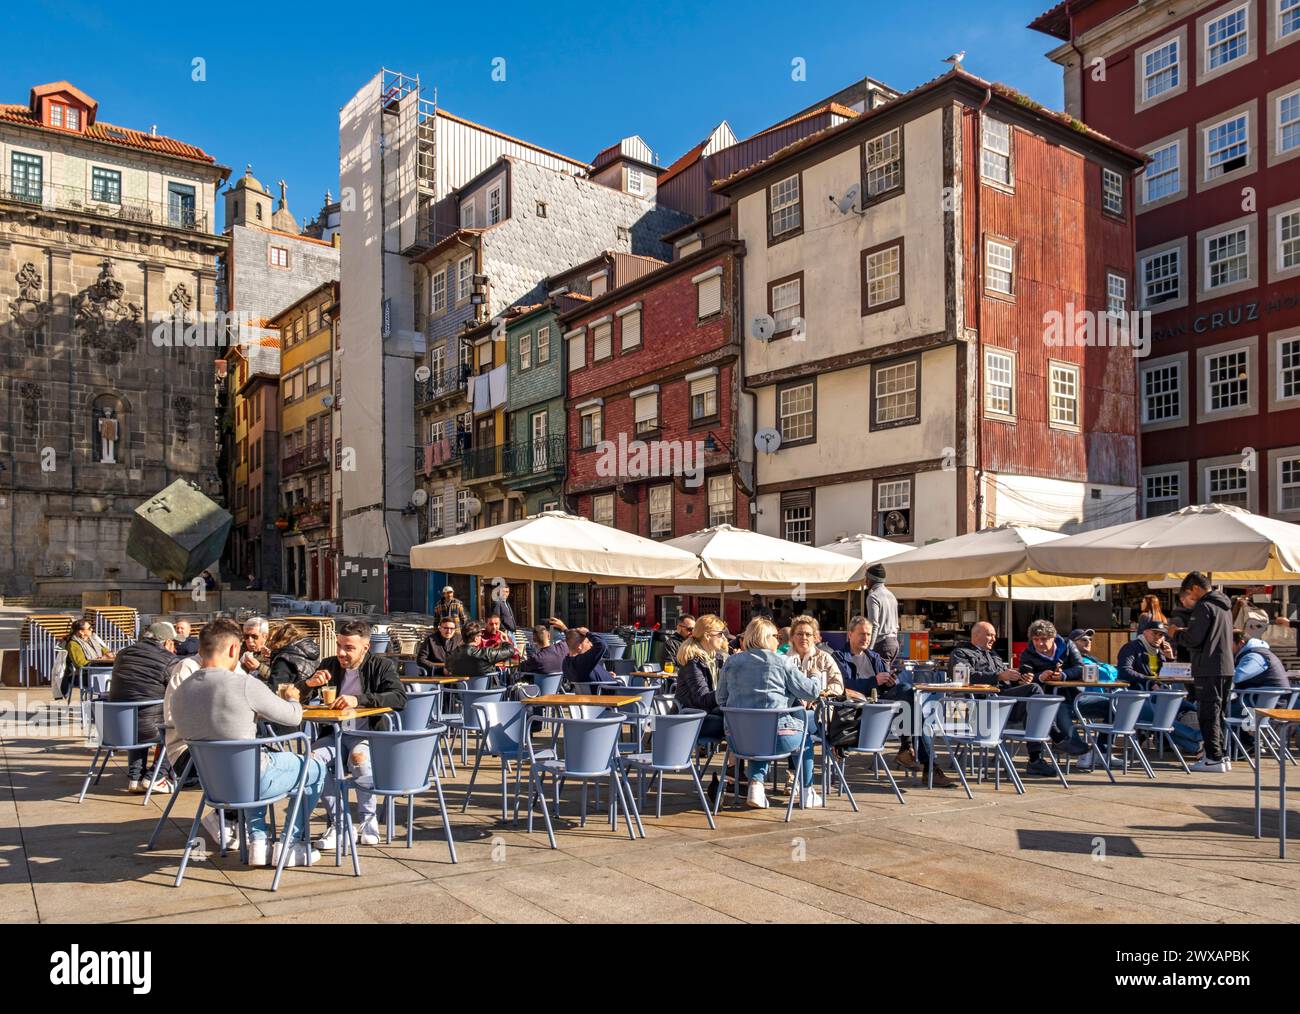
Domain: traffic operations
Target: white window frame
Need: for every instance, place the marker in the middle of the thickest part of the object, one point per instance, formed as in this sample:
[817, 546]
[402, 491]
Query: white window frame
[994, 270]
[596, 428]
[885, 269]
[467, 213]
[884, 163]
[661, 519]
[783, 304]
[543, 344]
[1281, 126]
[887, 409]
[464, 278]
[435, 513]
[526, 351]
[787, 208]
[494, 193]
[999, 153]
[709, 396]
[277, 256]
[784, 418]
[438, 292]
[1177, 78]
[1287, 21]
[1285, 358]
[1005, 360]
[602, 509]
[642, 422]
[1175, 173]
[1112, 191]
[1244, 257]
[721, 491]
[1208, 47]
[602, 339]
[1063, 392]
[1281, 459]
[1179, 294]
[1287, 218]
[1245, 348]
[1213, 170]
[1220, 469]
[635, 181]
[1116, 294]
[1180, 483]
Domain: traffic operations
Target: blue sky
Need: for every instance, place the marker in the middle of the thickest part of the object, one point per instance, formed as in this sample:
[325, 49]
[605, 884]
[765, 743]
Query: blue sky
[577, 76]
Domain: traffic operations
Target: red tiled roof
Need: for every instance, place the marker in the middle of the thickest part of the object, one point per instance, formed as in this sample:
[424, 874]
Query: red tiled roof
[108, 133]
[956, 74]
[829, 107]
[1057, 20]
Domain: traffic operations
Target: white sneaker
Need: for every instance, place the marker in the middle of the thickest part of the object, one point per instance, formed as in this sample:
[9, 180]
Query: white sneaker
[811, 798]
[299, 854]
[1086, 762]
[259, 851]
[135, 785]
[370, 832]
[757, 795]
[1217, 767]
[218, 831]
[328, 841]
[161, 787]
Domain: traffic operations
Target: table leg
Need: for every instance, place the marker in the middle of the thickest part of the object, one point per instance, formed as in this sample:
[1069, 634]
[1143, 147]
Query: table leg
[1281, 792]
[340, 818]
[1259, 815]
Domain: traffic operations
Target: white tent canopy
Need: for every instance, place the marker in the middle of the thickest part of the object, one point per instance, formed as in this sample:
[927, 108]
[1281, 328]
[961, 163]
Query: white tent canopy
[1231, 543]
[729, 555]
[557, 546]
[867, 550]
[975, 557]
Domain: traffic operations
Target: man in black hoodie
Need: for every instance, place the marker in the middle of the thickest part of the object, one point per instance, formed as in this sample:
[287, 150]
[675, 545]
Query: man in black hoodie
[1208, 640]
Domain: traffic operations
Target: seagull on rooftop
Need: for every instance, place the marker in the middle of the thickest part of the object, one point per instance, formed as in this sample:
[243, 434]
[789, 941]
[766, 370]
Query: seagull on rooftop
[956, 58]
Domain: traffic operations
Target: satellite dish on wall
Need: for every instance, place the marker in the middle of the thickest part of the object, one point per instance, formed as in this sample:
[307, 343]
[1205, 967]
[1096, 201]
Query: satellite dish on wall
[327, 400]
[419, 498]
[767, 440]
[473, 507]
[849, 202]
[422, 373]
[762, 327]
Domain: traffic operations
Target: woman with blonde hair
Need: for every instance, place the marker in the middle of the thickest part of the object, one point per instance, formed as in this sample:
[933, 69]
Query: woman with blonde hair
[698, 660]
[757, 677]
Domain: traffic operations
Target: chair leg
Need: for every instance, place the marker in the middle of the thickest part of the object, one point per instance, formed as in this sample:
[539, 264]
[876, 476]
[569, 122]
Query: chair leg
[956, 763]
[1142, 757]
[879, 763]
[704, 801]
[505, 791]
[107, 757]
[1012, 774]
[153, 777]
[794, 789]
[91, 773]
[469, 790]
[1051, 754]
[189, 842]
[410, 821]
[616, 786]
[659, 803]
[1166, 737]
[838, 769]
[546, 815]
[446, 823]
[180, 780]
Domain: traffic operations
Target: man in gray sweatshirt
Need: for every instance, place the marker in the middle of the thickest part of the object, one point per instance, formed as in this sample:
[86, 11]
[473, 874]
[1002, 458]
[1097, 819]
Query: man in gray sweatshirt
[222, 701]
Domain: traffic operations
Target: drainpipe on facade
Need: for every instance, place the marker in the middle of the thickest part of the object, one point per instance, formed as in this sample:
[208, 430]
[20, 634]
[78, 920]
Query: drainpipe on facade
[979, 309]
[738, 325]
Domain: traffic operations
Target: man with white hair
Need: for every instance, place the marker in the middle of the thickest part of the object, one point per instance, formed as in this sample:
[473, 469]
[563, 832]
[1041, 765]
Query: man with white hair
[256, 659]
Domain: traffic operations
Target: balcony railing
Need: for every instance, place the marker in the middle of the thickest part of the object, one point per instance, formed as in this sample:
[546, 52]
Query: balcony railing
[311, 515]
[52, 197]
[543, 456]
[306, 457]
[440, 385]
[482, 462]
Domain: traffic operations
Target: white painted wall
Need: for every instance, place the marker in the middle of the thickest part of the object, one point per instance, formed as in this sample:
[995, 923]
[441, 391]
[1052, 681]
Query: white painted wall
[1055, 504]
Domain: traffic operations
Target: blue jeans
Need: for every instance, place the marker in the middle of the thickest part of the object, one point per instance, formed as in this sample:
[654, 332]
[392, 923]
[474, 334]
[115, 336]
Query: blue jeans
[280, 773]
[790, 741]
[358, 762]
[1097, 708]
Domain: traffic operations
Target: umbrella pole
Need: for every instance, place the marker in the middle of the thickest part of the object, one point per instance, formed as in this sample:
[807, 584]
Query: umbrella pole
[1010, 661]
[722, 602]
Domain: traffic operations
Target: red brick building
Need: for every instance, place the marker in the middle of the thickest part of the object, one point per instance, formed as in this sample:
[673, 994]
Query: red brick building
[1211, 93]
[652, 404]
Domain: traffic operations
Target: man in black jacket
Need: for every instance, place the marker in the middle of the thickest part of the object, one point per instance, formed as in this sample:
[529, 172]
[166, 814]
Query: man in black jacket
[140, 673]
[674, 638]
[432, 654]
[501, 608]
[473, 658]
[1134, 659]
[1208, 640]
[360, 680]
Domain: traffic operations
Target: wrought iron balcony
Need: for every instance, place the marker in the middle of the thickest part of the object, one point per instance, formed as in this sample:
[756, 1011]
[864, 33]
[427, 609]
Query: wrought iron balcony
[542, 458]
[482, 462]
[440, 385]
[101, 204]
[306, 457]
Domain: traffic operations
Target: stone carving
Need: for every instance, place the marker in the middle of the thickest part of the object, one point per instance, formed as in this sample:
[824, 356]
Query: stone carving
[108, 437]
[29, 311]
[109, 323]
[31, 397]
[183, 407]
[182, 303]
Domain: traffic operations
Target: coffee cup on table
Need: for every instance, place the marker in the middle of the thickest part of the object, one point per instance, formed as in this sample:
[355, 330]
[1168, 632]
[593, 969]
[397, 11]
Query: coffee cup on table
[327, 696]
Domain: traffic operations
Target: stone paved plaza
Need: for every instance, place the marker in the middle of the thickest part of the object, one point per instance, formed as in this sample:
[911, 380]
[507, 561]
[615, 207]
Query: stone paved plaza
[1179, 849]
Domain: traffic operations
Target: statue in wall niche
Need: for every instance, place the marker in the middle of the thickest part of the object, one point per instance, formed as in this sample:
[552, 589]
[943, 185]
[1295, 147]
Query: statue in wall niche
[183, 406]
[108, 437]
[29, 312]
[109, 323]
[31, 398]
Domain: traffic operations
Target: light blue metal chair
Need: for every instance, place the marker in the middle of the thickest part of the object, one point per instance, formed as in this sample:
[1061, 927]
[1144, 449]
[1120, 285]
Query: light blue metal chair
[1040, 713]
[408, 667]
[423, 706]
[402, 764]
[589, 754]
[672, 749]
[542, 686]
[1251, 700]
[873, 734]
[1125, 708]
[986, 720]
[503, 737]
[466, 719]
[119, 729]
[230, 772]
[752, 735]
[1165, 705]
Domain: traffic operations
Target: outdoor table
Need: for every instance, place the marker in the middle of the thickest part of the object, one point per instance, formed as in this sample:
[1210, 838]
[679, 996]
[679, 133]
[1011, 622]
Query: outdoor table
[1174, 679]
[1281, 717]
[441, 680]
[320, 715]
[944, 688]
[1096, 684]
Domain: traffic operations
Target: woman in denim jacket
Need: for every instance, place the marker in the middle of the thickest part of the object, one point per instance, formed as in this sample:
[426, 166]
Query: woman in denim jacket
[758, 677]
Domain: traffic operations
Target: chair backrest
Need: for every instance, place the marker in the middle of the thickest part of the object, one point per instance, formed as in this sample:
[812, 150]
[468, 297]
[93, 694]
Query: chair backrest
[586, 711]
[622, 666]
[752, 732]
[502, 723]
[548, 684]
[409, 667]
[100, 681]
[477, 682]
[1040, 713]
[469, 698]
[119, 722]
[589, 744]
[642, 707]
[1125, 707]
[1164, 709]
[423, 705]
[651, 667]
[988, 717]
[674, 736]
[400, 761]
[230, 770]
[877, 723]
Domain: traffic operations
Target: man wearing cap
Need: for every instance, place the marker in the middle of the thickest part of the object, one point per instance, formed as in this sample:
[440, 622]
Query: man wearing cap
[140, 673]
[1139, 663]
[882, 611]
[450, 608]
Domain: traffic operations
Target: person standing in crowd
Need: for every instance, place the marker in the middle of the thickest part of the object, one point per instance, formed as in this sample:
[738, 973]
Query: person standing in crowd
[140, 673]
[882, 611]
[432, 654]
[501, 608]
[544, 656]
[450, 607]
[222, 701]
[187, 644]
[698, 659]
[473, 657]
[361, 679]
[757, 677]
[1208, 640]
[256, 659]
[676, 637]
[83, 646]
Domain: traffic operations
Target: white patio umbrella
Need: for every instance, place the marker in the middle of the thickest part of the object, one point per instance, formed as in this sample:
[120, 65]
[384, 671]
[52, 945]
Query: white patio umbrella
[867, 550]
[1231, 543]
[555, 546]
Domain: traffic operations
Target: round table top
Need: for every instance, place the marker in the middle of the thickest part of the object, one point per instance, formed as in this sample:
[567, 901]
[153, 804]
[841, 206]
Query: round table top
[322, 714]
[955, 688]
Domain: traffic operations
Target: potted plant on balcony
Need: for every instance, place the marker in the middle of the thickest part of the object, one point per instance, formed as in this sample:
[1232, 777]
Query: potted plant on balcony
[282, 523]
